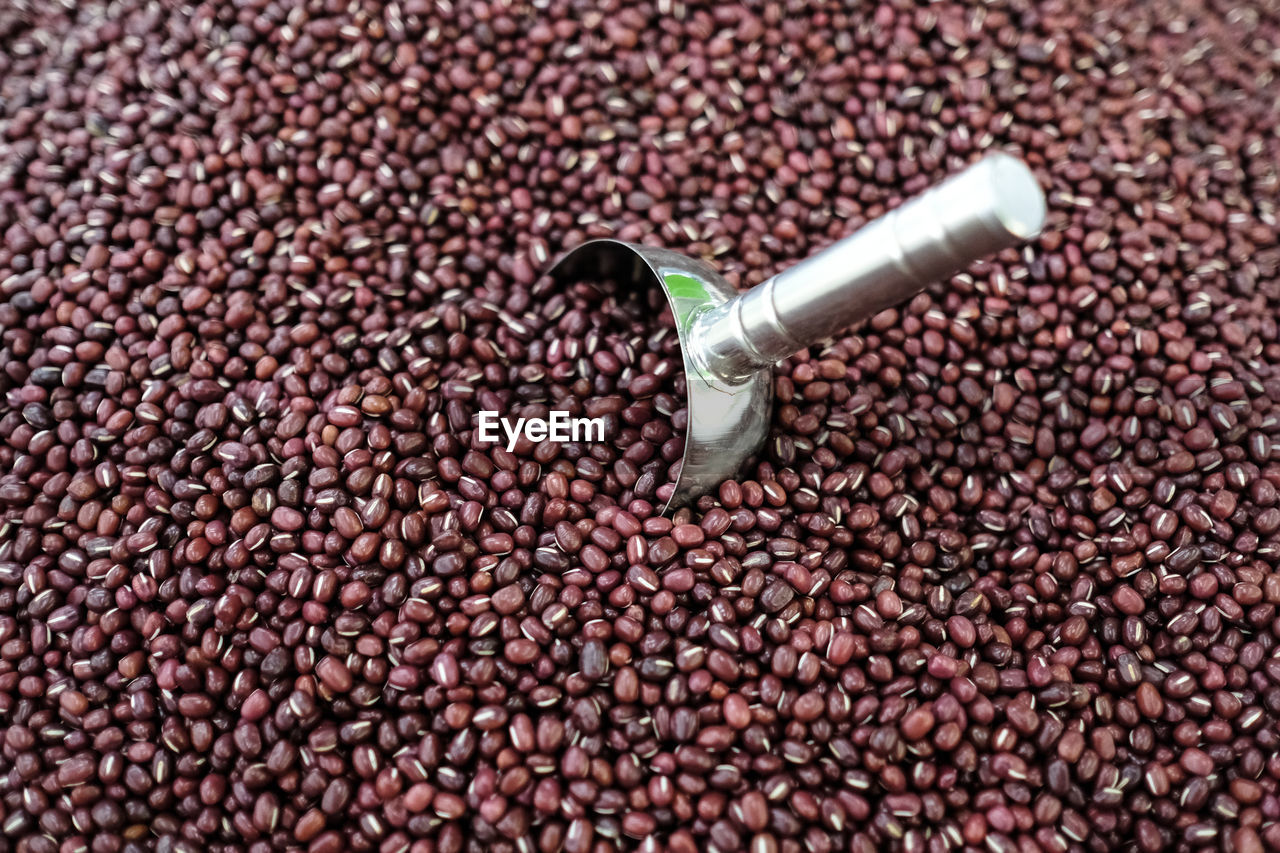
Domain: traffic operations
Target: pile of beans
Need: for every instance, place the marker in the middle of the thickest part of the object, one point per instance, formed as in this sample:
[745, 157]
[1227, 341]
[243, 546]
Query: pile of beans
[604, 351]
[1003, 577]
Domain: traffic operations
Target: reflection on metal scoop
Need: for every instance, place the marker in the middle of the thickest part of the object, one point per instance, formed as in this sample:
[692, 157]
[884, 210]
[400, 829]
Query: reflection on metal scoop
[730, 341]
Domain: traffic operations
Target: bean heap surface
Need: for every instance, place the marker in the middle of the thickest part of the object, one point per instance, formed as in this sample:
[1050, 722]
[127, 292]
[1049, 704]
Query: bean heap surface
[1003, 577]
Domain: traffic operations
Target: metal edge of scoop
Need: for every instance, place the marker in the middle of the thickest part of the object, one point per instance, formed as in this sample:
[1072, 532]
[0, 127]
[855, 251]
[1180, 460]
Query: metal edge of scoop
[730, 419]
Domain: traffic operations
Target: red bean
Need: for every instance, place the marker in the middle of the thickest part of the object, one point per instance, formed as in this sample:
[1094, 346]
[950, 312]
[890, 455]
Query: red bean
[1001, 575]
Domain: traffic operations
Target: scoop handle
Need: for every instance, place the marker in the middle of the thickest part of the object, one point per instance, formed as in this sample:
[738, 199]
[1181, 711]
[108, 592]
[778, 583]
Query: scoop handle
[993, 204]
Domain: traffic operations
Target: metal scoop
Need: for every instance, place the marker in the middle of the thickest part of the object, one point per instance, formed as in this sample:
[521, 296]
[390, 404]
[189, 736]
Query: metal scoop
[731, 340]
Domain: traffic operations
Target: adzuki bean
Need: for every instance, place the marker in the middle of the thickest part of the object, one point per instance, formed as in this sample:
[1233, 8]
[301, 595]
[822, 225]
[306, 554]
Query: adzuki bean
[1003, 576]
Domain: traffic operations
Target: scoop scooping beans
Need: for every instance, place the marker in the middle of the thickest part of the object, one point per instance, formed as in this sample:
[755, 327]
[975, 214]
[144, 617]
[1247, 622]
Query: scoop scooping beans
[730, 341]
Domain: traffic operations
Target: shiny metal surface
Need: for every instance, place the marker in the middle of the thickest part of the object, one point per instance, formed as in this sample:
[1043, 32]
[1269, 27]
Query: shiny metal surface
[728, 420]
[994, 204]
[729, 341]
